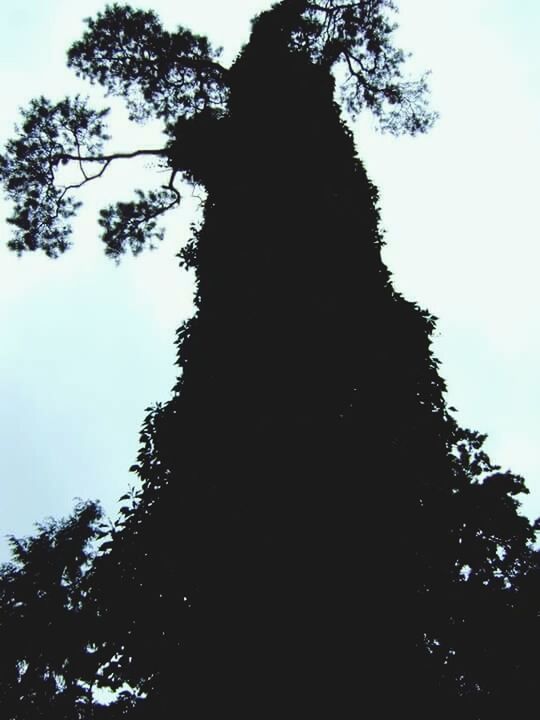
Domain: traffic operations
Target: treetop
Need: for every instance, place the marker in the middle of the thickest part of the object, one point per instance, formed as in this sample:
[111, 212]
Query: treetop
[175, 77]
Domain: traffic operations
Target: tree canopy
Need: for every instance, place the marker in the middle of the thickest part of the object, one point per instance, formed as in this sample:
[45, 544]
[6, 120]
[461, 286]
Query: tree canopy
[312, 532]
[177, 77]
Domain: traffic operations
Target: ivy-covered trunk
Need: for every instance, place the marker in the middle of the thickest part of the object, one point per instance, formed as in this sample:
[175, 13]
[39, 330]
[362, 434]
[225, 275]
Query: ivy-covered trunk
[287, 482]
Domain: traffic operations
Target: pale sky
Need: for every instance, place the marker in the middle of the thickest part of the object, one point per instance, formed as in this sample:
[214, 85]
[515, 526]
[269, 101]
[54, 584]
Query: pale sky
[86, 346]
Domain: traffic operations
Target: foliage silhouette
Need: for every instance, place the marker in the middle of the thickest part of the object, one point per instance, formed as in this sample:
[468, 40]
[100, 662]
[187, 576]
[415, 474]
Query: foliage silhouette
[177, 76]
[47, 629]
[312, 531]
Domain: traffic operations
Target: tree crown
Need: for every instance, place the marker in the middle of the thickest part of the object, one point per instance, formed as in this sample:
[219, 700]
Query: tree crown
[176, 77]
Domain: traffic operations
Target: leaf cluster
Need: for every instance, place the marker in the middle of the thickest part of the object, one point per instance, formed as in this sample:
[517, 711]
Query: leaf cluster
[134, 224]
[48, 134]
[47, 621]
[158, 73]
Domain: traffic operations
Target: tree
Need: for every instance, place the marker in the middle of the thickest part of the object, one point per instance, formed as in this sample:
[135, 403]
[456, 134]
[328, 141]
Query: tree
[50, 624]
[46, 628]
[311, 528]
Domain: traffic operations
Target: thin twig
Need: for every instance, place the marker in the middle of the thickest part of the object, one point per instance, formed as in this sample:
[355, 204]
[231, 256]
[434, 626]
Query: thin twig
[87, 178]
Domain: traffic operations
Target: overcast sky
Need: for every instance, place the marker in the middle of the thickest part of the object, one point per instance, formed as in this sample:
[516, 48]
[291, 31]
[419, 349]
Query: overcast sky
[86, 346]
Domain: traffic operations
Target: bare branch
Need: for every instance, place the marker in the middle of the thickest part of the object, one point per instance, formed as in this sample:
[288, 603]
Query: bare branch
[87, 178]
[112, 156]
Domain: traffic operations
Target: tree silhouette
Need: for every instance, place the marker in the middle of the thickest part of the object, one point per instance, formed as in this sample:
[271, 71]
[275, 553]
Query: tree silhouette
[176, 77]
[312, 531]
[47, 629]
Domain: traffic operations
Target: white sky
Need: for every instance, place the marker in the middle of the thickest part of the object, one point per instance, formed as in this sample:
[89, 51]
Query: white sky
[86, 346]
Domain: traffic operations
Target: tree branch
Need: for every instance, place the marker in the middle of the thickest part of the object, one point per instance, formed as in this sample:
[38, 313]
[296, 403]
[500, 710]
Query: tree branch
[109, 158]
[87, 178]
[106, 160]
[171, 186]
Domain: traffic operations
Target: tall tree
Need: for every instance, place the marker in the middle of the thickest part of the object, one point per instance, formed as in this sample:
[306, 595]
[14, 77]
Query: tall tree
[312, 529]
